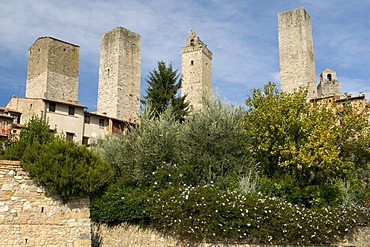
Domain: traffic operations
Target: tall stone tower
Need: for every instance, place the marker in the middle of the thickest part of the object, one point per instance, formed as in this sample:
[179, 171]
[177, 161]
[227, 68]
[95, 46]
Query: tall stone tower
[196, 71]
[297, 65]
[329, 85]
[53, 70]
[119, 74]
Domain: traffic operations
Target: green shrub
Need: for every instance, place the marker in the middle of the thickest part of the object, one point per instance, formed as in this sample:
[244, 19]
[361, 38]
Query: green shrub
[66, 168]
[209, 214]
[63, 167]
[120, 203]
[299, 192]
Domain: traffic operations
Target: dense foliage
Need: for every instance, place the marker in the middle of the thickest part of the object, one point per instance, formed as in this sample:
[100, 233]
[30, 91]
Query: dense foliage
[303, 150]
[164, 84]
[63, 167]
[207, 148]
[212, 214]
[201, 181]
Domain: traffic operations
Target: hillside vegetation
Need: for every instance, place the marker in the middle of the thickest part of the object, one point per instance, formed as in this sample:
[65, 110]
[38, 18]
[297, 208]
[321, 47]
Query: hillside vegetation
[278, 172]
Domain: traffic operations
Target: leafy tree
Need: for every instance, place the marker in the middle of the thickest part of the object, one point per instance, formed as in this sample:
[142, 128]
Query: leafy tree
[35, 132]
[312, 145]
[208, 146]
[136, 156]
[160, 154]
[164, 84]
[214, 142]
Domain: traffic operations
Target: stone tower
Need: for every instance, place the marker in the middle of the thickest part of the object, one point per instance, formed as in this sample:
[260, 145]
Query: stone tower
[53, 70]
[329, 85]
[297, 65]
[119, 74]
[196, 71]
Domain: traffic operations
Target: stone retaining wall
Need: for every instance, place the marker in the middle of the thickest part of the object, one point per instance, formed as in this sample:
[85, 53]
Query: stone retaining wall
[32, 216]
[134, 236]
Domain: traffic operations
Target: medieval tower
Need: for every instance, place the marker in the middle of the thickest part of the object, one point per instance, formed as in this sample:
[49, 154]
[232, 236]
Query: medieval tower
[119, 74]
[53, 70]
[329, 85]
[297, 65]
[196, 71]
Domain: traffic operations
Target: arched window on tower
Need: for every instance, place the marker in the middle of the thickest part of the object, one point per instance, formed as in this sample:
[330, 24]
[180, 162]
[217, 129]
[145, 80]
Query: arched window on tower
[191, 62]
[192, 42]
[329, 77]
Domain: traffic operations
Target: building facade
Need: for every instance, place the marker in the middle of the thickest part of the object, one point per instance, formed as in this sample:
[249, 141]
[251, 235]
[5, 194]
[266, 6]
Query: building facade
[196, 71]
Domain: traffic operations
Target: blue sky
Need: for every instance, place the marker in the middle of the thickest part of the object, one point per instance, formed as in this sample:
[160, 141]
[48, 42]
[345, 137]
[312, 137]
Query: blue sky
[241, 34]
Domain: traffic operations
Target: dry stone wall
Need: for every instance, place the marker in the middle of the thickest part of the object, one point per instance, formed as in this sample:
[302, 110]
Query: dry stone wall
[134, 236]
[31, 216]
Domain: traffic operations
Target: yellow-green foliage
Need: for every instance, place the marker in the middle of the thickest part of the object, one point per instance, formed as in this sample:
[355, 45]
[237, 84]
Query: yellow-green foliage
[289, 136]
[312, 145]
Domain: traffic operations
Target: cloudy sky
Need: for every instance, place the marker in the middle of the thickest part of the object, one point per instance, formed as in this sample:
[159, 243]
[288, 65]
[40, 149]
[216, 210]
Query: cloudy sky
[241, 34]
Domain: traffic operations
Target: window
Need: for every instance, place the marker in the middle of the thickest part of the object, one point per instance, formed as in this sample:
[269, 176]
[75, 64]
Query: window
[191, 62]
[101, 122]
[4, 124]
[329, 77]
[85, 140]
[192, 42]
[87, 119]
[17, 118]
[52, 107]
[69, 137]
[71, 110]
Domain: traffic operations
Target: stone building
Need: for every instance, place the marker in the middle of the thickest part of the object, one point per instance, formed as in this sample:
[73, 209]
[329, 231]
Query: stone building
[196, 71]
[119, 74]
[297, 64]
[52, 91]
[53, 70]
[329, 85]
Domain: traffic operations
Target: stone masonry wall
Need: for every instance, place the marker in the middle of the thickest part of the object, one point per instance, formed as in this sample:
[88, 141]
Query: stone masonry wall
[53, 70]
[297, 64]
[119, 74]
[196, 71]
[31, 216]
[134, 236]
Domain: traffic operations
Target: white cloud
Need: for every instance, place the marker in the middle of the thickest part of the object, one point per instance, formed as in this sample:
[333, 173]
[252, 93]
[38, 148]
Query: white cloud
[241, 34]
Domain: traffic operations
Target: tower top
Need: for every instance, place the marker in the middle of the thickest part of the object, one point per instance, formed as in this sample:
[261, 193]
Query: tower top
[193, 43]
[192, 33]
[193, 40]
